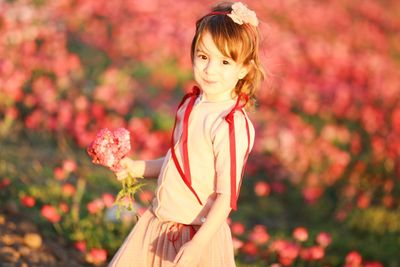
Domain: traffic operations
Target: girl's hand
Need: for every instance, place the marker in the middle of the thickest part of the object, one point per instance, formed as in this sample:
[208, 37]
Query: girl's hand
[128, 168]
[188, 255]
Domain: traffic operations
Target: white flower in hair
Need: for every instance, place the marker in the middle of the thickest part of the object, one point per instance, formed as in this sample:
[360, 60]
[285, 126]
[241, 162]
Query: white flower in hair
[241, 14]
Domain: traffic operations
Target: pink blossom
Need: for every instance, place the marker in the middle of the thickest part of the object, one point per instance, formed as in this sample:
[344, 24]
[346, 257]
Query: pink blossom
[80, 245]
[300, 234]
[259, 235]
[108, 199]
[317, 253]
[324, 239]
[95, 206]
[146, 196]
[69, 165]
[250, 249]
[60, 174]
[50, 213]
[237, 243]
[373, 264]
[96, 256]
[262, 189]
[5, 182]
[63, 207]
[353, 258]
[237, 228]
[28, 201]
[68, 189]
[108, 148]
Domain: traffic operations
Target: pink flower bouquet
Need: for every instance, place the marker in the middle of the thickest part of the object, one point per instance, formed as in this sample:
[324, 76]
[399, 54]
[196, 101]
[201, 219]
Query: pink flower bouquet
[107, 149]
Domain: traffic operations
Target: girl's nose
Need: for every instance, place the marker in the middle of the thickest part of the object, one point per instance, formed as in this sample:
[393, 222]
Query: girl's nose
[210, 67]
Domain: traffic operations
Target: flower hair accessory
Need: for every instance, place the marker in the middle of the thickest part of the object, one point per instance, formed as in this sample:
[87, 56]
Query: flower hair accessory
[241, 14]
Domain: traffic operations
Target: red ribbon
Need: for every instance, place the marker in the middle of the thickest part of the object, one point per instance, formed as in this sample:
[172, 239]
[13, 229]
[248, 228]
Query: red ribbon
[185, 173]
[175, 231]
[186, 176]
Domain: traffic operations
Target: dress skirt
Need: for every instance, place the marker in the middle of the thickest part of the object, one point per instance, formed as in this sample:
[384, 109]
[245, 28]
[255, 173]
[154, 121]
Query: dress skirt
[153, 243]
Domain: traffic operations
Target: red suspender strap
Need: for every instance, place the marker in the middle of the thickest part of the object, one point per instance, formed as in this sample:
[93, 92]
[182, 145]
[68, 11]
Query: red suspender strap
[232, 147]
[185, 174]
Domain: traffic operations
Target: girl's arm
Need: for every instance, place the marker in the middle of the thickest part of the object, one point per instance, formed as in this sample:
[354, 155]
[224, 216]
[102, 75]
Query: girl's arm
[140, 168]
[217, 215]
[189, 254]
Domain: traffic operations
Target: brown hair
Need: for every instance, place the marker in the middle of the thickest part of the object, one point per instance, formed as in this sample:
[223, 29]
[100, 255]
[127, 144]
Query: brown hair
[239, 42]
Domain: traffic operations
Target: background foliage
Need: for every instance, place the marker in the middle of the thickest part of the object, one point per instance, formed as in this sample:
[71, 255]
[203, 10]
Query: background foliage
[326, 158]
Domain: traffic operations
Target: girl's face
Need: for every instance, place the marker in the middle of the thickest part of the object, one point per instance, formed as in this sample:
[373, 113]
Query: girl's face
[216, 74]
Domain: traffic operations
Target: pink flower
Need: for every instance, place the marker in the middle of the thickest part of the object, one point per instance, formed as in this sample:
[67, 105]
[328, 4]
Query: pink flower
[237, 228]
[50, 213]
[69, 165]
[317, 253]
[289, 251]
[108, 199]
[95, 206]
[4, 183]
[146, 196]
[109, 148]
[324, 239]
[60, 174]
[373, 264]
[259, 235]
[237, 243]
[63, 207]
[96, 256]
[353, 258]
[68, 189]
[241, 14]
[300, 234]
[80, 245]
[28, 201]
[262, 189]
[250, 248]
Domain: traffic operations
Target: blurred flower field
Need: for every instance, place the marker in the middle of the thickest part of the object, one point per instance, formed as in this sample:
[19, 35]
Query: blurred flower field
[322, 183]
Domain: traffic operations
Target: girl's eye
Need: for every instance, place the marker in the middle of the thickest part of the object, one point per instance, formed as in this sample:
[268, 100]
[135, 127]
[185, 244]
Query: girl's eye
[225, 62]
[202, 57]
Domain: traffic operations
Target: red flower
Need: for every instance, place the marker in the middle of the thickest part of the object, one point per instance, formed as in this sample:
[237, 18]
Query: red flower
[317, 253]
[97, 256]
[353, 258]
[50, 213]
[63, 207]
[108, 199]
[68, 189]
[373, 264]
[109, 148]
[80, 245]
[60, 173]
[28, 201]
[262, 189]
[259, 235]
[300, 234]
[250, 248]
[95, 206]
[324, 239]
[146, 196]
[69, 165]
[4, 183]
[237, 228]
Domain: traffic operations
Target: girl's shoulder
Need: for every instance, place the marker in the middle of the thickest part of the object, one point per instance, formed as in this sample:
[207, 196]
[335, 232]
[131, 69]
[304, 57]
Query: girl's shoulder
[241, 121]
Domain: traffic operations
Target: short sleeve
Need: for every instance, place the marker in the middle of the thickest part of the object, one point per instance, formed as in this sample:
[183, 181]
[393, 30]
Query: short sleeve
[221, 147]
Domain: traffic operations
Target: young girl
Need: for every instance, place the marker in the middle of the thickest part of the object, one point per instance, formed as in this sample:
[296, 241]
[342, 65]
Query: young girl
[199, 178]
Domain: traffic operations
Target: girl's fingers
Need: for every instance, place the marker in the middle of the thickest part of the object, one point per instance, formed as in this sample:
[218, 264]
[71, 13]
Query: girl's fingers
[178, 256]
[122, 174]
